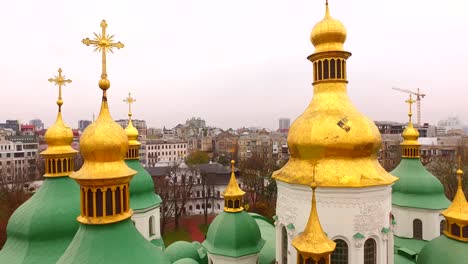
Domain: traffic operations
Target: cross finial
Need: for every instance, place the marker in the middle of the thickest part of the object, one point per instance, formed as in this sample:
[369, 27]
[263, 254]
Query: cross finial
[60, 81]
[103, 43]
[129, 100]
[410, 102]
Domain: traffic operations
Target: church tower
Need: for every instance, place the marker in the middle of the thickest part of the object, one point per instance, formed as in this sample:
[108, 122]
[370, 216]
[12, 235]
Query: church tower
[143, 201]
[341, 145]
[418, 197]
[40, 230]
[106, 233]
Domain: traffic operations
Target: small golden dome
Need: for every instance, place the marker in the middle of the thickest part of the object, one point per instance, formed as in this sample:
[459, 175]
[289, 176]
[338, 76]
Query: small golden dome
[410, 133]
[103, 145]
[132, 134]
[328, 34]
[59, 138]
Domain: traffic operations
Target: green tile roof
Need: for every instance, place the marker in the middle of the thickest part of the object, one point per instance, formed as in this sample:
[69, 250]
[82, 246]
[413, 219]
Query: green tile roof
[414, 245]
[116, 243]
[142, 194]
[41, 229]
[182, 250]
[444, 250]
[268, 253]
[416, 187]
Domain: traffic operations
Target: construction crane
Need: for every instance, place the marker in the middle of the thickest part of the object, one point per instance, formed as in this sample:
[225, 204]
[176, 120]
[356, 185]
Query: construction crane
[419, 96]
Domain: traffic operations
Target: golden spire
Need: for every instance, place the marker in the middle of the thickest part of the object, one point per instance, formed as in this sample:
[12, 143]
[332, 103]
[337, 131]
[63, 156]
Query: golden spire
[331, 129]
[59, 154]
[313, 242]
[132, 132]
[233, 194]
[410, 146]
[60, 80]
[103, 43]
[104, 144]
[457, 214]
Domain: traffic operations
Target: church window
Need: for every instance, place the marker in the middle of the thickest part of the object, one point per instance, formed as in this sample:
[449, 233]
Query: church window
[340, 255]
[417, 229]
[332, 69]
[315, 71]
[190, 208]
[59, 166]
[230, 204]
[284, 240]
[118, 205]
[219, 206]
[237, 203]
[151, 226]
[338, 69]
[99, 208]
[125, 198]
[309, 261]
[344, 69]
[370, 251]
[455, 229]
[109, 206]
[322, 261]
[326, 69]
[442, 227]
[65, 167]
[465, 232]
[198, 207]
[320, 70]
[89, 196]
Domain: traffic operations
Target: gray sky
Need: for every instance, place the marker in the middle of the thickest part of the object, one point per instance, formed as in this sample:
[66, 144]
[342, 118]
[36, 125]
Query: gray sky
[233, 63]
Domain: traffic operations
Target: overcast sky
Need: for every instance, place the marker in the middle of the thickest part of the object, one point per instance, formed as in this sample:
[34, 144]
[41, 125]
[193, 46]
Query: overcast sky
[233, 63]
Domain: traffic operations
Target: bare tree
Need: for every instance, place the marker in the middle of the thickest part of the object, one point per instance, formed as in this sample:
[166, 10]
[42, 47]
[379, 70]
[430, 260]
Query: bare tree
[208, 193]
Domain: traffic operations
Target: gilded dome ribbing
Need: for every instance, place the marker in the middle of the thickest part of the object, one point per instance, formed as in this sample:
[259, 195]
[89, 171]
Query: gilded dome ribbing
[59, 138]
[328, 34]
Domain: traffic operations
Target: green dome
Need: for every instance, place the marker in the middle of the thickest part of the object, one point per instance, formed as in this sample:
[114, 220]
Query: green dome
[182, 250]
[444, 250]
[185, 261]
[142, 194]
[116, 243]
[41, 229]
[233, 235]
[268, 253]
[417, 187]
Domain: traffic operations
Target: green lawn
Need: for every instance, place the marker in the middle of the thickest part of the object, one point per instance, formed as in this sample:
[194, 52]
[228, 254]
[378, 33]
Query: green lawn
[176, 235]
[203, 228]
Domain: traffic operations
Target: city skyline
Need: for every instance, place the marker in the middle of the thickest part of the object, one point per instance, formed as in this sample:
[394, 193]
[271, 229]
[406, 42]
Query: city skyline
[232, 64]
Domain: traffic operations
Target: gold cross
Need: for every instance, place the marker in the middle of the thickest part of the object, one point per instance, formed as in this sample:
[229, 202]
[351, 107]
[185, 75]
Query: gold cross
[103, 43]
[129, 100]
[410, 102]
[60, 80]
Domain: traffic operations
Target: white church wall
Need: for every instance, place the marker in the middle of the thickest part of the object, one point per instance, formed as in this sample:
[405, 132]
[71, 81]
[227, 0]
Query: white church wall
[404, 217]
[343, 212]
[141, 219]
[216, 259]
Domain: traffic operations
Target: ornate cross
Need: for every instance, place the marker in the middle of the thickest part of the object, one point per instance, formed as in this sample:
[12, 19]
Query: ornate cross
[129, 100]
[410, 102]
[60, 80]
[103, 43]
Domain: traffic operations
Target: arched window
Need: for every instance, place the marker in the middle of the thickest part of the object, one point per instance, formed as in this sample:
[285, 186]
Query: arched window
[338, 69]
[198, 207]
[219, 206]
[417, 229]
[442, 227]
[109, 209]
[118, 205]
[315, 71]
[465, 232]
[340, 255]
[125, 198]
[190, 208]
[284, 246]
[332, 69]
[230, 204]
[370, 251]
[89, 197]
[99, 205]
[151, 226]
[320, 70]
[455, 229]
[237, 203]
[59, 166]
[325, 69]
[343, 71]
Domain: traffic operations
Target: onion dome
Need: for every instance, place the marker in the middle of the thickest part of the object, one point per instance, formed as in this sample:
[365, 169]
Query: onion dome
[416, 187]
[182, 250]
[331, 131]
[41, 229]
[132, 133]
[233, 233]
[452, 247]
[328, 34]
[313, 242]
[186, 261]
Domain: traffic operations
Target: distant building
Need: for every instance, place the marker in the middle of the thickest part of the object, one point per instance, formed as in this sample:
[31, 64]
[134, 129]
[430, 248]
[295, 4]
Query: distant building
[388, 127]
[83, 124]
[164, 151]
[449, 124]
[37, 123]
[284, 124]
[11, 124]
[140, 125]
[27, 129]
[18, 158]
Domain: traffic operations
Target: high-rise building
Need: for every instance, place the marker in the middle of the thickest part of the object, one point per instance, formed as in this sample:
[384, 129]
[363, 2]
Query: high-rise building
[284, 124]
[37, 123]
[82, 124]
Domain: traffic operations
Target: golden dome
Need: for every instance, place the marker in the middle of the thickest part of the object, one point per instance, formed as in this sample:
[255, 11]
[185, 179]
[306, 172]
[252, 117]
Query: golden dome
[458, 210]
[132, 133]
[103, 145]
[328, 34]
[59, 138]
[410, 135]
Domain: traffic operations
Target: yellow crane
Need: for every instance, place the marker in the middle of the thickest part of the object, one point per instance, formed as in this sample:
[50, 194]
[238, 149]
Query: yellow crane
[419, 96]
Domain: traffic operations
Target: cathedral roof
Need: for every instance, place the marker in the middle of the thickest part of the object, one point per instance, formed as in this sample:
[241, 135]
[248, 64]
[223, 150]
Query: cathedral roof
[142, 194]
[181, 250]
[444, 250]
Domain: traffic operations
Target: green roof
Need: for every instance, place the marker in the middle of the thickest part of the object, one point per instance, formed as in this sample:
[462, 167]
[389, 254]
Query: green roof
[115, 243]
[268, 253]
[159, 242]
[142, 194]
[41, 229]
[444, 250]
[185, 261]
[233, 235]
[182, 250]
[398, 259]
[417, 187]
[414, 245]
